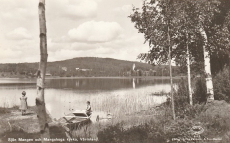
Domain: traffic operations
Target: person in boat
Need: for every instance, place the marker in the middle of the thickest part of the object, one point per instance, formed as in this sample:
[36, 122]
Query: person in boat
[88, 109]
[23, 106]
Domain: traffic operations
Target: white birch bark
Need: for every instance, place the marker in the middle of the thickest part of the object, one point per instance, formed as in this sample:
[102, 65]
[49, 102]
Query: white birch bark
[171, 81]
[207, 66]
[189, 77]
[188, 65]
[40, 101]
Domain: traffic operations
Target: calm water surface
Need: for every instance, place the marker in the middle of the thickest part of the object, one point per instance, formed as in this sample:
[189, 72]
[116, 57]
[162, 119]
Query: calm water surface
[107, 95]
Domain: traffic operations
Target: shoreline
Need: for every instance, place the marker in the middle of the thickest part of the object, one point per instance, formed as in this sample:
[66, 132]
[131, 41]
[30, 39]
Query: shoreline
[105, 77]
[17, 126]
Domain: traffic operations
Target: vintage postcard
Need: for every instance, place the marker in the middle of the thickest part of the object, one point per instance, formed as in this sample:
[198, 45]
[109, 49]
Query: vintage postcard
[114, 71]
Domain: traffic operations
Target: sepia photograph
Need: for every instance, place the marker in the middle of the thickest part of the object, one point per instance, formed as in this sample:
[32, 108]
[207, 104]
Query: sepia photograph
[114, 71]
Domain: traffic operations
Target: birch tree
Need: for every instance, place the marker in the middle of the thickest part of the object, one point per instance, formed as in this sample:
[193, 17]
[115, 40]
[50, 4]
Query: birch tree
[156, 22]
[222, 19]
[207, 66]
[40, 100]
[171, 21]
[205, 13]
[185, 37]
[209, 35]
[198, 36]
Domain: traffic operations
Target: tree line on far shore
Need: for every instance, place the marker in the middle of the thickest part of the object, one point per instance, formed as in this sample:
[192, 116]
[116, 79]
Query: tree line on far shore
[88, 67]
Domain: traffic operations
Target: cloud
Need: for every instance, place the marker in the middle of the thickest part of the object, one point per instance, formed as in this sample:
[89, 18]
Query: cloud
[83, 46]
[22, 10]
[71, 33]
[19, 14]
[19, 34]
[95, 32]
[65, 54]
[124, 8]
[9, 55]
[54, 46]
[18, 10]
[103, 51]
[83, 8]
[72, 9]
[26, 42]
[62, 39]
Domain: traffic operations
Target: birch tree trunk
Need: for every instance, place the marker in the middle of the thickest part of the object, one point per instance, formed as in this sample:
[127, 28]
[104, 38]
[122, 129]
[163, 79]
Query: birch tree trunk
[40, 101]
[188, 60]
[189, 76]
[171, 81]
[207, 66]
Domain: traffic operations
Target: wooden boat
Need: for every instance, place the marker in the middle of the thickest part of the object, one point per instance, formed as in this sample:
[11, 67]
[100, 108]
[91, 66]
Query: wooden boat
[75, 119]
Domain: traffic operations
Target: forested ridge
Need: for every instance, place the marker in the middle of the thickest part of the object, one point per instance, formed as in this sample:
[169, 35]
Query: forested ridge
[95, 67]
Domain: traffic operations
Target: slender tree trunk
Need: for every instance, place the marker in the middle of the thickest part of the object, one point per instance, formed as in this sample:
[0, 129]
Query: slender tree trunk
[171, 81]
[207, 65]
[40, 101]
[189, 74]
[188, 58]
[229, 65]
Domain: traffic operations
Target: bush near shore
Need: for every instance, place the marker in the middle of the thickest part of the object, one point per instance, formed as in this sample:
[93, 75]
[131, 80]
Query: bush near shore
[213, 118]
[4, 110]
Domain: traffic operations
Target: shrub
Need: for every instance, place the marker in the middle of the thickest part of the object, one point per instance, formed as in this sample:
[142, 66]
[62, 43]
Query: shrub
[4, 110]
[212, 117]
[216, 120]
[178, 129]
[199, 90]
[112, 134]
[18, 133]
[181, 98]
[222, 85]
[146, 133]
[15, 107]
[216, 115]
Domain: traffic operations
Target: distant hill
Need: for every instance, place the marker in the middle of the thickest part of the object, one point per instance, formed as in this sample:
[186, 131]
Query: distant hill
[83, 66]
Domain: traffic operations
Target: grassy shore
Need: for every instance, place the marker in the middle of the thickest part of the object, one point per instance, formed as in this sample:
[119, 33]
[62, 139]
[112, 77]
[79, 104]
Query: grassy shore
[154, 125]
[15, 126]
[206, 123]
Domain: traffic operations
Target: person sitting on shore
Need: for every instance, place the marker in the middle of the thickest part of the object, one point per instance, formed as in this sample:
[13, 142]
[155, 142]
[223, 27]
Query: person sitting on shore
[23, 106]
[88, 109]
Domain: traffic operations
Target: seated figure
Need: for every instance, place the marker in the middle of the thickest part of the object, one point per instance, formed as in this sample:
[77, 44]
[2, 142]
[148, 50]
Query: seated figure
[88, 109]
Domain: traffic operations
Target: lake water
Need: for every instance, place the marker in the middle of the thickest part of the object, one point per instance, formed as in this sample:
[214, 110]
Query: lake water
[107, 95]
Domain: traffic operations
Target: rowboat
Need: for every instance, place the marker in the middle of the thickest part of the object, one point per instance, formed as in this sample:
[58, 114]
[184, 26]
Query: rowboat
[75, 120]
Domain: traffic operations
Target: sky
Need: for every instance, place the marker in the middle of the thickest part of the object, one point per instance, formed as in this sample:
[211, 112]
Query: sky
[75, 28]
